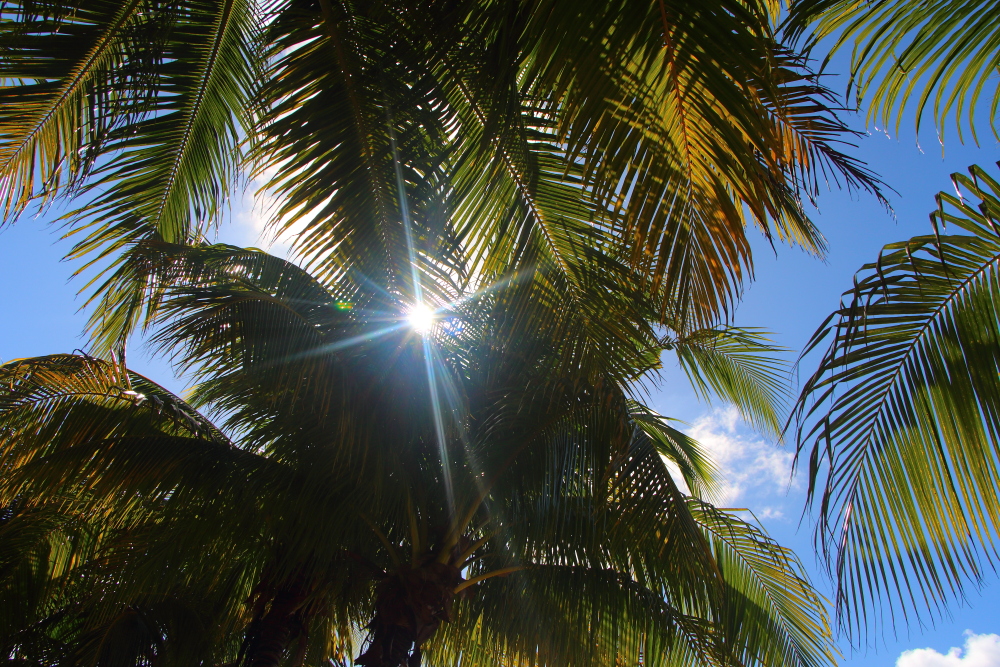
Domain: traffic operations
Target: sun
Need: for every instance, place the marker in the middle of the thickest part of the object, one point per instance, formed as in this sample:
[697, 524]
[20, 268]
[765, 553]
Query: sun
[421, 318]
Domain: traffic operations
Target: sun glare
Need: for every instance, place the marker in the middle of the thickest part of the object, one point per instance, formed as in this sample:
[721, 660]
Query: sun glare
[421, 318]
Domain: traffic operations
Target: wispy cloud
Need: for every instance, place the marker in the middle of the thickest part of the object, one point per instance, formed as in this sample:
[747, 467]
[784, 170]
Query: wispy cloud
[979, 651]
[753, 468]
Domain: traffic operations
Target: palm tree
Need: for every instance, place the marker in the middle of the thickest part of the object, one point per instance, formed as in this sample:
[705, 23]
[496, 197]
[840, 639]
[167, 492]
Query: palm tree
[487, 491]
[900, 418]
[572, 179]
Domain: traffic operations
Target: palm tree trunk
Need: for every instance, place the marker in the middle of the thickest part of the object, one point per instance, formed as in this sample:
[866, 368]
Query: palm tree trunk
[410, 607]
[275, 630]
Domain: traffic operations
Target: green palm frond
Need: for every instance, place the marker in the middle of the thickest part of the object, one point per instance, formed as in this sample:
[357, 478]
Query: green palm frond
[936, 58]
[741, 366]
[597, 581]
[902, 416]
[689, 186]
[43, 549]
[619, 552]
[81, 595]
[661, 118]
[47, 120]
[695, 464]
[141, 105]
[183, 526]
[551, 614]
[41, 390]
[348, 103]
[69, 418]
[782, 619]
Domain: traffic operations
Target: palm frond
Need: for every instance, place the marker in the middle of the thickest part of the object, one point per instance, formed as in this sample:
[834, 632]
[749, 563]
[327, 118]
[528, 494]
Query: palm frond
[180, 526]
[618, 127]
[348, 104]
[596, 576]
[143, 106]
[937, 59]
[594, 545]
[68, 419]
[662, 117]
[773, 615]
[902, 416]
[48, 123]
[549, 614]
[741, 366]
[695, 464]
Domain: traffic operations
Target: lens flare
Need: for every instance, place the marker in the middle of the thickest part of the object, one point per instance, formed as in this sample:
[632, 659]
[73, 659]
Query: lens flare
[421, 318]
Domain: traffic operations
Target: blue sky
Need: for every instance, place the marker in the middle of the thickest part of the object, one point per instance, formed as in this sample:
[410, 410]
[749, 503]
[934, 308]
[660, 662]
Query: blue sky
[792, 294]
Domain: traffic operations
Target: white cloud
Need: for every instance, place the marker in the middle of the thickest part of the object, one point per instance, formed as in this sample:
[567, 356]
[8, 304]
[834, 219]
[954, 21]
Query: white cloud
[770, 513]
[750, 465]
[979, 651]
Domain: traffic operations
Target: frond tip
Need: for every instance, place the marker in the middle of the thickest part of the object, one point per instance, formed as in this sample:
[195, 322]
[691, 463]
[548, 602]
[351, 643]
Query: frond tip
[741, 366]
[693, 462]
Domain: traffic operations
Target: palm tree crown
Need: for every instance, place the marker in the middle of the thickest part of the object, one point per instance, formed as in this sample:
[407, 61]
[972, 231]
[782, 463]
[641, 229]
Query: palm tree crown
[514, 510]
